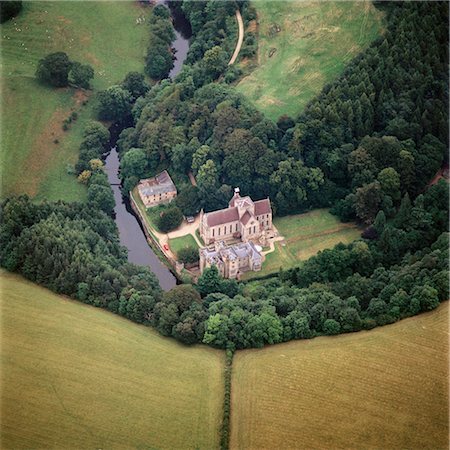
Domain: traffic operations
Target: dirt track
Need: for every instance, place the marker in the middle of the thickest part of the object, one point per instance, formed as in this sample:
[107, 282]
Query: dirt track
[240, 38]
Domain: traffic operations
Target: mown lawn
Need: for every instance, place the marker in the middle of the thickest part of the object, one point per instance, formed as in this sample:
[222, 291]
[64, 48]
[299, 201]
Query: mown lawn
[303, 46]
[176, 244]
[305, 235]
[386, 388]
[103, 34]
[74, 376]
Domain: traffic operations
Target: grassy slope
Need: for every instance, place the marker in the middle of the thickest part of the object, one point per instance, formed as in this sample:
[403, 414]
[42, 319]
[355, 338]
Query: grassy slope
[315, 42]
[386, 388]
[103, 34]
[74, 376]
[305, 235]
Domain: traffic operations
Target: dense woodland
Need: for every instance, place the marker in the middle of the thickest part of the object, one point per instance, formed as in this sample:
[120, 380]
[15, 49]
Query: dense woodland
[367, 146]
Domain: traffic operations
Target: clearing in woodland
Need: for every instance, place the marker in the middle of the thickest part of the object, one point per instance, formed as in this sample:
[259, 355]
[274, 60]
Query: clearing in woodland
[74, 376]
[305, 235]
[302, 46]
[384, 388]
[37, 154]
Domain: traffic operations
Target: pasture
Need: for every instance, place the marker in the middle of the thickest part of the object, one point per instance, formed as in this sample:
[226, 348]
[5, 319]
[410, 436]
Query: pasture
[305, 235]
[32, 114]
[384, 388]
[74, 376]
[301, 47]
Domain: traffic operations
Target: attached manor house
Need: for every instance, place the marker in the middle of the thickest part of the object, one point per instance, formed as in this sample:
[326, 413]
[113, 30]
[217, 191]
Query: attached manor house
[243, 224]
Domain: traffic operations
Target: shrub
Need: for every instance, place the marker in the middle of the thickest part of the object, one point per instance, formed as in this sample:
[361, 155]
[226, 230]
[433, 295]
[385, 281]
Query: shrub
[170, 219]
[188, 255]
[9, 9]
[331, 327]
[54, 69]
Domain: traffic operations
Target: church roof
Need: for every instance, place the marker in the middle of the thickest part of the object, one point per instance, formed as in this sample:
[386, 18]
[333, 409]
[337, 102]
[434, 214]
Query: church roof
[231, 214]
[262, 207]
[245, 218]
[222, 216]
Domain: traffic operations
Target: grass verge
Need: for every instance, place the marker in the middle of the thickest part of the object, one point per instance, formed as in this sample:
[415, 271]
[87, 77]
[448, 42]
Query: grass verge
[74, 376]
[384, 388]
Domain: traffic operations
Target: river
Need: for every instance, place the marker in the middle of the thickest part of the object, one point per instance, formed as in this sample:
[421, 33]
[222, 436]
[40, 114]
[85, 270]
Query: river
[130, 232]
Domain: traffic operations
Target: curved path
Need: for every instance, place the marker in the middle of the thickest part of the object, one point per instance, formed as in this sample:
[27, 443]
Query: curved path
[240, 38]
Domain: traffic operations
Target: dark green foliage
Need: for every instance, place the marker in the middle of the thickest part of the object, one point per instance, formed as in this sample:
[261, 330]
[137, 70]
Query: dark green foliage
[74, 249]
[209, 281]
[93, 145]
[213, 25]
[135, 84]
[159, 60]
[133, 164]
[114, 103]
[380, 107]
[101, 197]
[180, 313]
[9, 9]
[188, 255]
[188, 200]
[57, 70]
[330, 327]
[169, 219]
[81, 74]
[54, 69]
[225, 427]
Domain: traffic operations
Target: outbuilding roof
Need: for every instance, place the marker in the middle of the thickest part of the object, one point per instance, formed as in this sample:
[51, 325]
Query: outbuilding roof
[160, 184]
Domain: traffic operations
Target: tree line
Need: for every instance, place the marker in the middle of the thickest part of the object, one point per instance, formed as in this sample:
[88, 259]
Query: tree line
[74, 249]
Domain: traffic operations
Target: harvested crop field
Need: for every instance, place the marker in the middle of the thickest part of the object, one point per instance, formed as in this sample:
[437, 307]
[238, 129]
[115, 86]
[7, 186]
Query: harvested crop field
[381, 389]
[74, 376]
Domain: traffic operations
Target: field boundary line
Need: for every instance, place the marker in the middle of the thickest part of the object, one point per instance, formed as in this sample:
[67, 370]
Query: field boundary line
[342, 227]
[225, 428]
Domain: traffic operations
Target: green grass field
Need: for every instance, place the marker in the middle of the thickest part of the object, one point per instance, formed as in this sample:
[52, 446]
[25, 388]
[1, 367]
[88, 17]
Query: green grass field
[176, 244]
[305, 235]
[382, 389]
[32, 114]
[303, 46]
[74, 376]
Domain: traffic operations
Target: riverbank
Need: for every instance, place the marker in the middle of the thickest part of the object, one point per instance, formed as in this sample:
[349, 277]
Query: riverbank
[142, 245]
[161, 242]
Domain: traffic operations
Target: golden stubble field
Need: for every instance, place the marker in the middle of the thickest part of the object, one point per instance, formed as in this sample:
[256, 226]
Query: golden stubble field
[382, 389]
[77, 377]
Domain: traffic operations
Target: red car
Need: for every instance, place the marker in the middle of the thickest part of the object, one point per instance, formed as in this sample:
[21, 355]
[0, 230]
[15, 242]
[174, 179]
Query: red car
[166, 247]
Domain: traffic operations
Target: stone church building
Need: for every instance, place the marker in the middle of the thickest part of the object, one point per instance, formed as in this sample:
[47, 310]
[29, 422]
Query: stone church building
[242, 224]
[244, 219]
